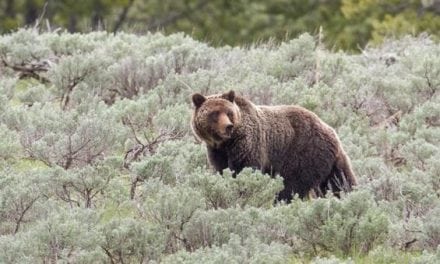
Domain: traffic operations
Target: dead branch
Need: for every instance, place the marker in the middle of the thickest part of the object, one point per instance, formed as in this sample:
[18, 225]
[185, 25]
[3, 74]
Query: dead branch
[391, 121]
[30, 70]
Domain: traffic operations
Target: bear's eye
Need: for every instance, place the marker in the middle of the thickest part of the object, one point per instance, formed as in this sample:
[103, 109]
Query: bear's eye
[214, 115]
[230, 114]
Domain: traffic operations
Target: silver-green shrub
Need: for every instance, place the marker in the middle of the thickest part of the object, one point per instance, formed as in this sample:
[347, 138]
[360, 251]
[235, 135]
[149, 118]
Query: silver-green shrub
[132, 241]
[236, 250]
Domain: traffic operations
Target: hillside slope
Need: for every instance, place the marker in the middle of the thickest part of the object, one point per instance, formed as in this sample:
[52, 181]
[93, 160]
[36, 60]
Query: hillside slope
[98, 163]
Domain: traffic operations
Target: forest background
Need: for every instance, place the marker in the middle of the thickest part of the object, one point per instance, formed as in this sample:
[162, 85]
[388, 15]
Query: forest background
[347, 24]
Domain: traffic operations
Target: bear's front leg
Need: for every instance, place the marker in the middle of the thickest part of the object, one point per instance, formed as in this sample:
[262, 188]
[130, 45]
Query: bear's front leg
[218, 159]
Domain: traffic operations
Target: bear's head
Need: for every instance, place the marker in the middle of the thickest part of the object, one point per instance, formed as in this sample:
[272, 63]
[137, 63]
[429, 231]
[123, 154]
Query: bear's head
[215, 117]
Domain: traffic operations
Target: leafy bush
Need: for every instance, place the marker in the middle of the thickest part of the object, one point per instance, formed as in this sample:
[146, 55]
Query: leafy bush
[129, 240]
[352, 224]
[235, 251]
[248, 188]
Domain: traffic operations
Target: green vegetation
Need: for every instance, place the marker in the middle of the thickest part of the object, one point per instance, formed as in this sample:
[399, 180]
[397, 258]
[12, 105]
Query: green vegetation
[347, 24]
[98, 163]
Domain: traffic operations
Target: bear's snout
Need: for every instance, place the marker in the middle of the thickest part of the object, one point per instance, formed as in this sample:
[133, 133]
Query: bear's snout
[226, 131]
[229, 129]
[225, 126]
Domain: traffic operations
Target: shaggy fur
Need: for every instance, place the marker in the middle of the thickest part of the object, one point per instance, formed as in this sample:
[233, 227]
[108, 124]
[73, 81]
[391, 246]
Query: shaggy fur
[286, 140]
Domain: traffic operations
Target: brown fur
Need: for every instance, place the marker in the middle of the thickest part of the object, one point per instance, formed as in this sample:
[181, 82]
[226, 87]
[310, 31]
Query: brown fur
[286, 140]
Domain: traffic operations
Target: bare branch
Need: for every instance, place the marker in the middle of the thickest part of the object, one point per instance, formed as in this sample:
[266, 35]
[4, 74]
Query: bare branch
[40, 18]
[20, 219]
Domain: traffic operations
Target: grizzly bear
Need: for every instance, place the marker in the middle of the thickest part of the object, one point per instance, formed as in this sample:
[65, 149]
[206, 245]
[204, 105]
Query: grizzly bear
[284, 140]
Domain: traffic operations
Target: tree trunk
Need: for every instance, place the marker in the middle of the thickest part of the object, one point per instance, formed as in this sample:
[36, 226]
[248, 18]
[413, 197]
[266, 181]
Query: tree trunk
[31, 12]
[9, 9]
[122, 16]
[97, 16]
[72, 23]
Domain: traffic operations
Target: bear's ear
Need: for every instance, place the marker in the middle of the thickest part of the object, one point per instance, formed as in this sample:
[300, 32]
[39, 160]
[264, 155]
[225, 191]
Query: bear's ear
[230, 96]
[198, 99]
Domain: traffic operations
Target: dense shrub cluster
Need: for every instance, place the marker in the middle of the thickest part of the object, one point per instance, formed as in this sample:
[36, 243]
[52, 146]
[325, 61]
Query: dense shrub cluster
[98, 164]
